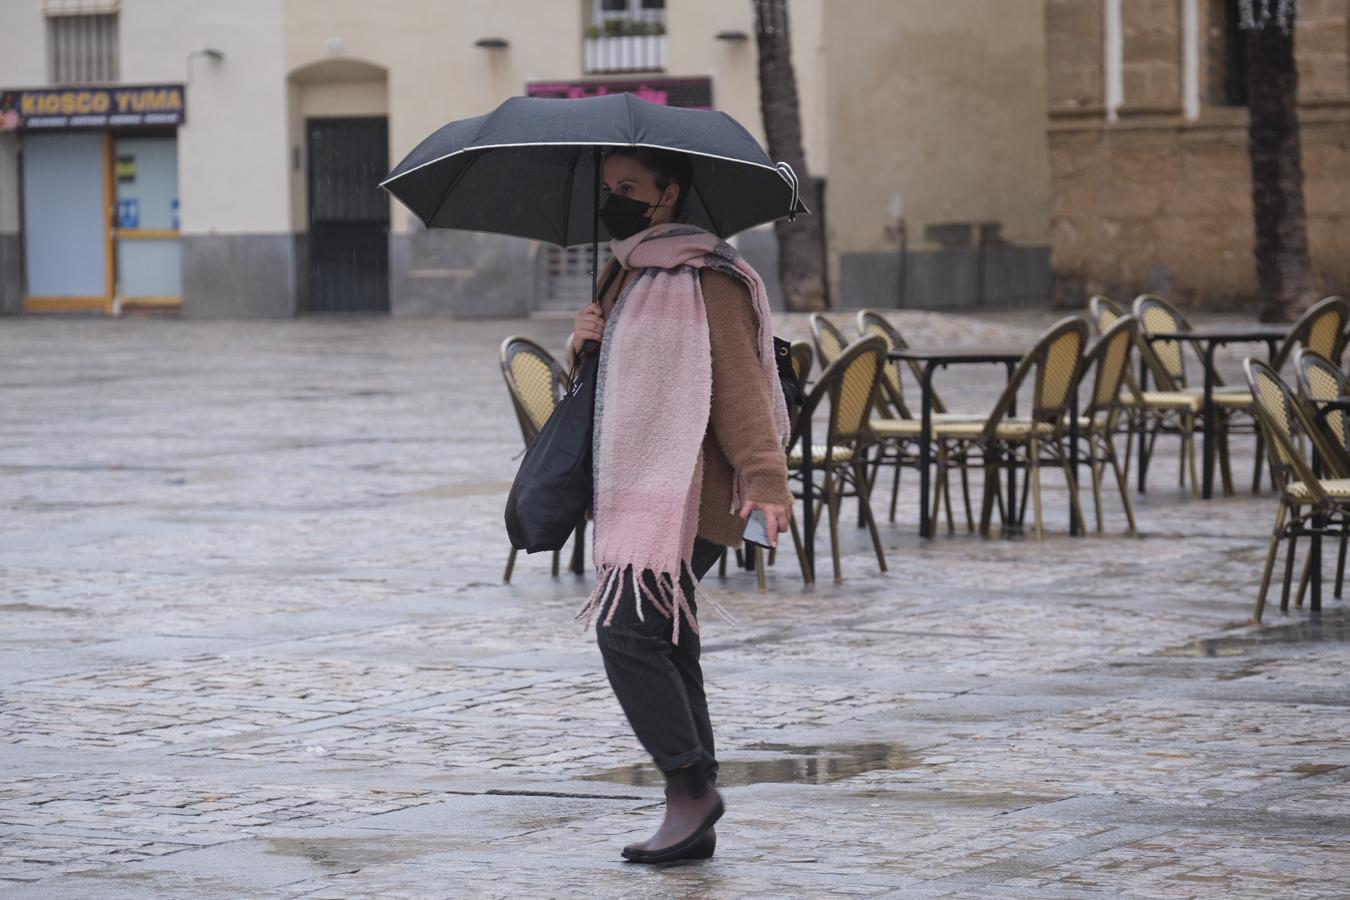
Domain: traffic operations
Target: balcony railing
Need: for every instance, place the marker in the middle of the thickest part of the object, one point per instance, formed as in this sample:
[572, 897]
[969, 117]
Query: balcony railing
[626, 45]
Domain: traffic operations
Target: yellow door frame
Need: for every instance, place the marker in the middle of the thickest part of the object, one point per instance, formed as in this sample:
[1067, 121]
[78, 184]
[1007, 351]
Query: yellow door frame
[95, 303]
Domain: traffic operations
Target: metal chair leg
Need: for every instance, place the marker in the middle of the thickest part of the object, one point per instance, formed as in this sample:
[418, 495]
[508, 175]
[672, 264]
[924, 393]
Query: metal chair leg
[510, 566]
[1225, 466]
[1190, 457]
[1260, 457]
[1003, 512]
[947, 495]
[722, 564]
[1340, 561]
[939, 483]
[833, 494]
[557, 562]
[1034, 473]
[991, 489]
[801, 551]
[1095, 466]
[866, 499]
[965, 496]
[862, 523]
[1122, 480]
[1146, 450]
[1072, 481]
[1288, 572]
[1131, 418]
[1271, 551]
[895, 487]
[1021, 511]
[1303, 577]
[760, 580]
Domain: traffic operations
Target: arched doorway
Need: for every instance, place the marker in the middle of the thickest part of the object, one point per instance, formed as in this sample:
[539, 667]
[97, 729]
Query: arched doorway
[340, 152]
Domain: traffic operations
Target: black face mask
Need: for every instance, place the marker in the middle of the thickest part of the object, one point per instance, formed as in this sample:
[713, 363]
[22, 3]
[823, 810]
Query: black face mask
[624, 216]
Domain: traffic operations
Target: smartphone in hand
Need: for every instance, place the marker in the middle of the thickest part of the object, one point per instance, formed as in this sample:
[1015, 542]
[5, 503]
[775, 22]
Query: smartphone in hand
[757, 530]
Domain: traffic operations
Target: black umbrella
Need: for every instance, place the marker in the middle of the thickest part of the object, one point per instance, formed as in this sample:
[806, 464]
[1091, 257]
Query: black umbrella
[531, 168]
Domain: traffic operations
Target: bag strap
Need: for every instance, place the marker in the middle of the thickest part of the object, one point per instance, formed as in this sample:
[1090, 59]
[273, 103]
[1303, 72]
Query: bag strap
[614, 270]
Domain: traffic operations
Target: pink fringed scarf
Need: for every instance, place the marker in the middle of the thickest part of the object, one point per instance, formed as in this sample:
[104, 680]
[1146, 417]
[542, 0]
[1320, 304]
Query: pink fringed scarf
[653, 399]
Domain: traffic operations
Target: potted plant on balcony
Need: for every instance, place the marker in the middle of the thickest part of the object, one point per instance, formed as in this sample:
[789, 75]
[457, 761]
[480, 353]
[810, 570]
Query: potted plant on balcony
[626, 45]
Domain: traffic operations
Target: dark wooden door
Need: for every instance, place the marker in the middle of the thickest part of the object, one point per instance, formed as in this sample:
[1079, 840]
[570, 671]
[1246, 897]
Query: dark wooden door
[348, 215]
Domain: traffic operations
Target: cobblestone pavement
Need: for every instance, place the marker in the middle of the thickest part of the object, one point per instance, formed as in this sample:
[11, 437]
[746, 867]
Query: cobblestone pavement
[256, 643]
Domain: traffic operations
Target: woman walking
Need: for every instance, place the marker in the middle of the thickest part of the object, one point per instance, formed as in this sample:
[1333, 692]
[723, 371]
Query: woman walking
[690, 426]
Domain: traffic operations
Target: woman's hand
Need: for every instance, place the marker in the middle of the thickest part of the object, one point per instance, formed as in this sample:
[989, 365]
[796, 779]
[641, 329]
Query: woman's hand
[777, 517]
[589, 325]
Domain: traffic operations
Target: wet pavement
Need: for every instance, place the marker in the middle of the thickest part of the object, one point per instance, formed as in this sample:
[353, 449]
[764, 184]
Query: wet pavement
[256, 643]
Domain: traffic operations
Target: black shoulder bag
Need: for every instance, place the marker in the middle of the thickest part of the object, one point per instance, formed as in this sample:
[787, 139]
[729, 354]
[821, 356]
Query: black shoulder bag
[554, 485]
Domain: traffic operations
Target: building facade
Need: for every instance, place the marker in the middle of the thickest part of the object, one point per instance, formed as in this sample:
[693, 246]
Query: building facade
[1148, 146]
[219, 157]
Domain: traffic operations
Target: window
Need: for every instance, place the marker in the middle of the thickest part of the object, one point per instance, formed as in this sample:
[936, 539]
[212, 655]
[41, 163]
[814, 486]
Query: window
[1226, 52]
[631, 16]
[626, 36]
[82, 49]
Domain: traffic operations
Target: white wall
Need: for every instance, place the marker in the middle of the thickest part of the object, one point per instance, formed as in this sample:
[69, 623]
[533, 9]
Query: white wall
[945, 104]
[23, 44]
[232, 151]
[734, 65]
[23, 63]
[435, 73]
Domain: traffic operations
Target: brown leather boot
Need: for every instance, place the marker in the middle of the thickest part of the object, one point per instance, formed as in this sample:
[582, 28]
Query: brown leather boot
[693, 805]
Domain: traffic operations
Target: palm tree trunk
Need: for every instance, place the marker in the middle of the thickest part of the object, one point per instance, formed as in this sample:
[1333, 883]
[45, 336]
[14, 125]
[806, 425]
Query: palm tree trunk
[1283, 263]
[801, 250]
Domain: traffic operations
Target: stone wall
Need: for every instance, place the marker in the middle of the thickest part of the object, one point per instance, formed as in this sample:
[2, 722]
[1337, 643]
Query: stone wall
[1160, 202]
[935, 137]
[1074, 39]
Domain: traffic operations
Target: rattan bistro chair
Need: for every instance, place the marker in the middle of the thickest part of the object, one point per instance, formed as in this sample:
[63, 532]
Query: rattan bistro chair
[1175, 408]
[896, 426]
[1103, 312]
[1319, 330]
[1308, 505]
[849, 385]
[535, 381]
[1027, 442]
[829, 340]
[1321, 382]
[874, 324]
[1109, 361]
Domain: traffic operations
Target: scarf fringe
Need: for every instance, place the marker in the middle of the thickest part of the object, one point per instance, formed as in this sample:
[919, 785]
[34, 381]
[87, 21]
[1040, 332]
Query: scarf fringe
[669, 599]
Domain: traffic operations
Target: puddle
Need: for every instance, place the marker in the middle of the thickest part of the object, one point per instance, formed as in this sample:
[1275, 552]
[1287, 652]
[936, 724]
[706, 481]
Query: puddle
[789, 764]
[1326, 628]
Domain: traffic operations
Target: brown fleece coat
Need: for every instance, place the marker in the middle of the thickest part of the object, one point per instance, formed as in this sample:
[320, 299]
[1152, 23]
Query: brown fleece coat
[740, 428]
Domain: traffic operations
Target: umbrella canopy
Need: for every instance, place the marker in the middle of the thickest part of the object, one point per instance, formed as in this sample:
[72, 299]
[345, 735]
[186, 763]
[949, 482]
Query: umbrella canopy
[530, 168]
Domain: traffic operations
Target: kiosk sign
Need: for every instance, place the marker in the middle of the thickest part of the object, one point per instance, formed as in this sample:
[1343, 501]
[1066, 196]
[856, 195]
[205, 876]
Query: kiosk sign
[44, 109]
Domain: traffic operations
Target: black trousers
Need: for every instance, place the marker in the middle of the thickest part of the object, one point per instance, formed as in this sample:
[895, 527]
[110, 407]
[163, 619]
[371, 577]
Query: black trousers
[660, 684]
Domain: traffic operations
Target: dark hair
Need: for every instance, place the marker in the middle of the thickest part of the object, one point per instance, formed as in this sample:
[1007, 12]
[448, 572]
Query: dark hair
[669, 167]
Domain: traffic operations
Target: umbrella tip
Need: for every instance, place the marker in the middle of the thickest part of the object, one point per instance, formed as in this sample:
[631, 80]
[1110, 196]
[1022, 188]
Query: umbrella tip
[790, 176]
